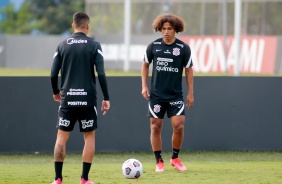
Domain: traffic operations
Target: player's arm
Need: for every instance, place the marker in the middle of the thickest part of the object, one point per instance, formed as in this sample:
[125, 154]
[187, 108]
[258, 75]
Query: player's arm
[144, 76]
[99, 63]
[189, 77]
[145, 71]
[56, 66]
[190, 83]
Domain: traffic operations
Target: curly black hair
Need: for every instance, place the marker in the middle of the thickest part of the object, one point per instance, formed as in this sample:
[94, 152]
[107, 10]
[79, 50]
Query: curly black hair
[176, 22]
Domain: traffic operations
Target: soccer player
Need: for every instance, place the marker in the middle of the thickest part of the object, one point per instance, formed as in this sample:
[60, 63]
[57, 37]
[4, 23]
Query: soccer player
[170, 57]
[76, 59]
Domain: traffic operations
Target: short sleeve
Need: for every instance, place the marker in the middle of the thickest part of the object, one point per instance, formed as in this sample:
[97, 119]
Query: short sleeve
[187, 57]
[149, 56]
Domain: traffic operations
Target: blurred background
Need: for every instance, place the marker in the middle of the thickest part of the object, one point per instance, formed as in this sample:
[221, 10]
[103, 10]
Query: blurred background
[31, 29]
[227, 38]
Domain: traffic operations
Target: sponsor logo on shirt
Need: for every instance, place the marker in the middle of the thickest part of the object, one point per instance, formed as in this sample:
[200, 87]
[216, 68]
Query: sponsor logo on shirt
[165, 59]
[167, 52]
[73, 41]
[163, 65]
[76, 92]
[86, 124]
[176, 103]
[77, 103]
[64, 122]
[158, 43]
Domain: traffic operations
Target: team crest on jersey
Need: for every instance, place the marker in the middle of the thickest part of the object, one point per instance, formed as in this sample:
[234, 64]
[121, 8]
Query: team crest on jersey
[157, 108]
[176, 51]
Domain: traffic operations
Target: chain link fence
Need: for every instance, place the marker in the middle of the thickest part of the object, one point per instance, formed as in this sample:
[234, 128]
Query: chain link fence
[202, 17]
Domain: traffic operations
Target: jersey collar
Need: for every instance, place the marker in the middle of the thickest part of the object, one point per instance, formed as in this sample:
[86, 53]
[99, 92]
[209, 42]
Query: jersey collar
[79, 33]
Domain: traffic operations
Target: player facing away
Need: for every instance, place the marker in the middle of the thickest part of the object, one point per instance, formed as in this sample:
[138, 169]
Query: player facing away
[170, 57]
[76, 58]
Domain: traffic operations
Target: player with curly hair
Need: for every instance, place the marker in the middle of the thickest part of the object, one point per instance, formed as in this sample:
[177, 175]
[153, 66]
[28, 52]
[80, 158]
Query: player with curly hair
[170, 58]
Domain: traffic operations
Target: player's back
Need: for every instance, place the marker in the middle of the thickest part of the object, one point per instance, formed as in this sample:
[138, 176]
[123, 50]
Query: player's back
[77, 71]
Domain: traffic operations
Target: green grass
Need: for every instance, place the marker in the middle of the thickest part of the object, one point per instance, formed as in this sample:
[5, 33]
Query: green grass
[210, 167]
[41, 72]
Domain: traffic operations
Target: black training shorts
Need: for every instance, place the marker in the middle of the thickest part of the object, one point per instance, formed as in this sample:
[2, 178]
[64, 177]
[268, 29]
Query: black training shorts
[86, 116]
[157, 109]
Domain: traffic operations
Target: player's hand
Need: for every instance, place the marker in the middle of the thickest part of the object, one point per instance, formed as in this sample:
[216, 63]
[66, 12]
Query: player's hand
[57, 97]
[145, 93]
[105, 106]
[190, 101]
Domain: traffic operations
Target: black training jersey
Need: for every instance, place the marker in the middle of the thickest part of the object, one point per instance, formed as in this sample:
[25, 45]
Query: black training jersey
[76, 57]
[168, 63]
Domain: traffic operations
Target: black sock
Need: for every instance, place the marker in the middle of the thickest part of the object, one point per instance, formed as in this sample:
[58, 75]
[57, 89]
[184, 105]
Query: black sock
[85, 170]
[175, 153]
[158, 156]
[58, 170]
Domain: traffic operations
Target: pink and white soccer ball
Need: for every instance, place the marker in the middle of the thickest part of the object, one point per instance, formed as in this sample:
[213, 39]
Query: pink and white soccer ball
[132, 168]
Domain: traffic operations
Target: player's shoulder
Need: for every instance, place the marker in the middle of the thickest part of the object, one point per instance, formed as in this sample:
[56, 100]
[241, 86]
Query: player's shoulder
[94, 42]
[156, 42]
[90, 40]
[181, 44]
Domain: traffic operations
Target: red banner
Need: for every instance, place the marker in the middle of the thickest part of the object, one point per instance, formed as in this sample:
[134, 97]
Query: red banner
[216, 54]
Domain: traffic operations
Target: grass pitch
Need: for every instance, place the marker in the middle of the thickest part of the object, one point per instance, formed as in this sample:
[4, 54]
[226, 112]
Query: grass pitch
[220, 167]
[41, 72]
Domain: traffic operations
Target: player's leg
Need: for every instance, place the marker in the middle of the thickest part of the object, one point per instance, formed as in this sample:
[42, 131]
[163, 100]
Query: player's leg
[156, 114]
[60, 145]
[65, 125]
[60, 153]
[87, 155]
[156, 142]
[177, 139]
[176, 114]
[88, 124]
[178, 133]
[89, 147]
[155, 136]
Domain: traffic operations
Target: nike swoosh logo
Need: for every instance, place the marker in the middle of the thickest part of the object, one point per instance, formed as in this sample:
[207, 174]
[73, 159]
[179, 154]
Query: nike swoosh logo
[158, 50]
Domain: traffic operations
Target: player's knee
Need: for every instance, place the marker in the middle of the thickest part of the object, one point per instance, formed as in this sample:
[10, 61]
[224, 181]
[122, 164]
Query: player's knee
[178, 128]
[155, 129]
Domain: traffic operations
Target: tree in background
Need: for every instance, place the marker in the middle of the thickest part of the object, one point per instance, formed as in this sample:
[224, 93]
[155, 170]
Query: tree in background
[54, 16]
[37, 16]
[201, 17]
[16, 22]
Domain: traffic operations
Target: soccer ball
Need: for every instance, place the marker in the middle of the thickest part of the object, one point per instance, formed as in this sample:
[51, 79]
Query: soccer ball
[132, 168]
